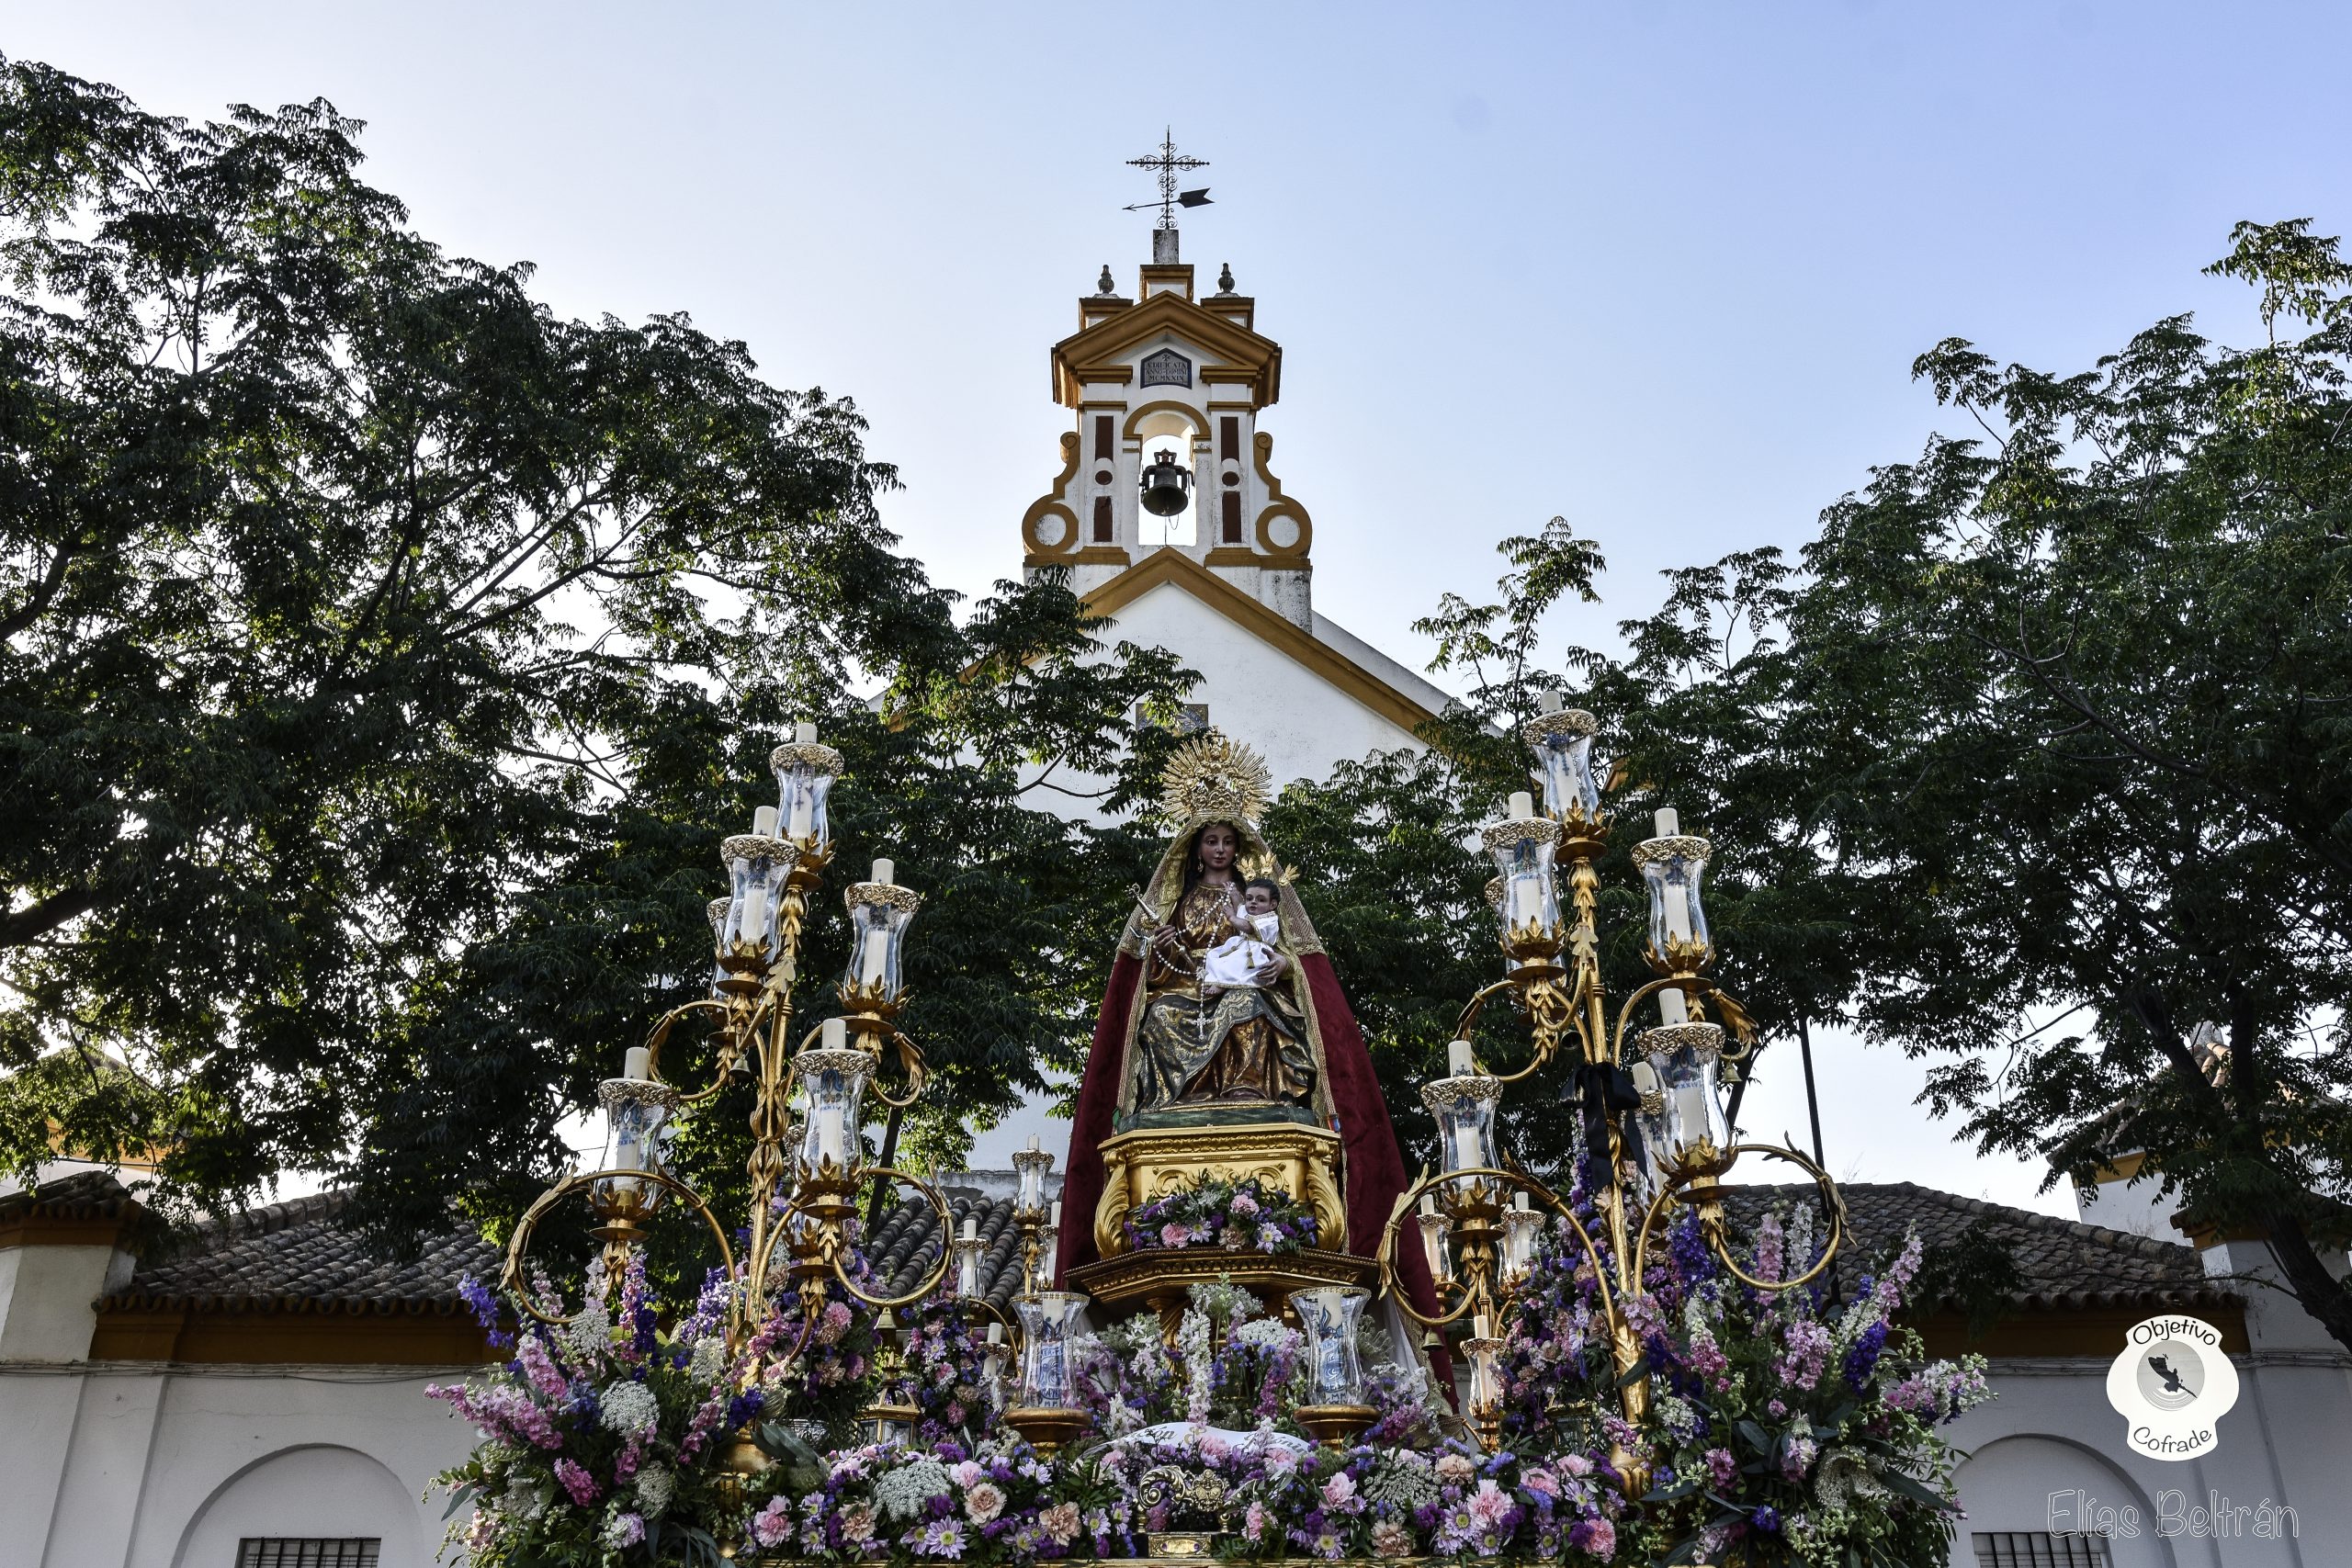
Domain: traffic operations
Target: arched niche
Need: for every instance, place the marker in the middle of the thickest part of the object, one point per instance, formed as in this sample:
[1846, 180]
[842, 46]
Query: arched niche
[2008, 1485]
[319, 1491]
[1171, 426]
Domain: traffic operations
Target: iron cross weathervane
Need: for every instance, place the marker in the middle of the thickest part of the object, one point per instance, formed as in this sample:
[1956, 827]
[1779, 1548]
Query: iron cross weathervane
[1164, 162]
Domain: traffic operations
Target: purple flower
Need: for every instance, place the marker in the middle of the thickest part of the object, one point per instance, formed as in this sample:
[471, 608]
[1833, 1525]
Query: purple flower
[1767, 1518]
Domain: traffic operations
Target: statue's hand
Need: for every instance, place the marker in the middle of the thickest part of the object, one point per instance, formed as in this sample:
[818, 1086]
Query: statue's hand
[1272, 970]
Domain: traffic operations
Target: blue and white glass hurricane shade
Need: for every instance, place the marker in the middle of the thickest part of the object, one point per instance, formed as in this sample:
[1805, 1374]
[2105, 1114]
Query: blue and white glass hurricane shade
[1464, 1105]
[1685, 1057]
[1327, 1316]
[804, 776]
[878, 940]
[835, 1084]
[757, 868]
[1565, 761]
[1671, 869]
[1523, 863]
[637, 1119]
[1051, 1322]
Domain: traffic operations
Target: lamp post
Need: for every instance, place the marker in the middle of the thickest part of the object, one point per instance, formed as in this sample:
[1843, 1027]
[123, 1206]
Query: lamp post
[806, 1172]
[1477, 1219]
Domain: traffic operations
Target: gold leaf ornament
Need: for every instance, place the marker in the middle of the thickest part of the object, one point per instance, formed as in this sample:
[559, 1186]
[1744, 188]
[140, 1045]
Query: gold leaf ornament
[1214, 779]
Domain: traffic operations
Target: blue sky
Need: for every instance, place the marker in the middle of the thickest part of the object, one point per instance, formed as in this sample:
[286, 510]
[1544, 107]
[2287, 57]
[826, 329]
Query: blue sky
[1661, 268]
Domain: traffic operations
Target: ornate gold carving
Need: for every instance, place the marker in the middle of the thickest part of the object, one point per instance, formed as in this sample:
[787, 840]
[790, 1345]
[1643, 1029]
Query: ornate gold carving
[1151, 1162]
[1567, 721]
[1705, 1039]
[1475, 1088]
[756, 846]
[814, 753]
[1052, 504]
[1214, 778]
[864, 892]
[1689, 846]
[1542, 829]
[1294, 553]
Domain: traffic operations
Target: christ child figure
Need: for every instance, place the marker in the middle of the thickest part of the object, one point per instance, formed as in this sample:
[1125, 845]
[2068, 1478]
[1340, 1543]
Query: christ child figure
[1236, 960]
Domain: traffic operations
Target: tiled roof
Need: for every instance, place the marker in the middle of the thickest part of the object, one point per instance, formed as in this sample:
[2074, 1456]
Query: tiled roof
[295, 1257]
[905, 1246]
[2061, 1263]
[85, 1195]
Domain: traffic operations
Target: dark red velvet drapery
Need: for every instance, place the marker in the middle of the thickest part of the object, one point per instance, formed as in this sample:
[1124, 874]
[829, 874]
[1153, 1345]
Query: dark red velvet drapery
[1375, 1165]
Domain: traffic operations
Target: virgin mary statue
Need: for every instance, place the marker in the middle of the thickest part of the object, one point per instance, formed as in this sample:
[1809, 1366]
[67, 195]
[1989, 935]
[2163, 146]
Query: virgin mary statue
[1185, 1042]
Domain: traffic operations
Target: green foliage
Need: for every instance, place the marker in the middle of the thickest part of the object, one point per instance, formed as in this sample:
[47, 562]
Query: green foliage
[384, 655]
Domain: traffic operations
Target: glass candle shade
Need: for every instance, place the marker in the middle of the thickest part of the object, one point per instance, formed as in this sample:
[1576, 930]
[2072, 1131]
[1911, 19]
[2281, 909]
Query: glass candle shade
[719, 909]
[879, 913]
[1671, 868]
[835, 1083]
[1563, 745]
[1524, 854]
[1521, 1225]
[637, 1130]
[1435, 1252]
[968, 1249]
[804, 771]
[757, 867]
[1464, 1105]
[1327, 1316]
[1685, 1057]
[1650, 1120]
[1030, 1165]
[1051, 1322]
[1486, 1379]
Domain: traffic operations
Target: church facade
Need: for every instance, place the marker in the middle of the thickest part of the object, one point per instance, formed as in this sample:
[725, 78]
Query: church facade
[1166, 388]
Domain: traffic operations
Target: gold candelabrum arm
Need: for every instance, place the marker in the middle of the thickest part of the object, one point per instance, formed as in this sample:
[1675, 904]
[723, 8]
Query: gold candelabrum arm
[513, 1277]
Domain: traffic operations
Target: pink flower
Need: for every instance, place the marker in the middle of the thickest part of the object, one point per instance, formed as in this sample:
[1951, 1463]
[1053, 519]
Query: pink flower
[772, 1526]
[540, 1368]
[1215, 1447]
[967, 1474]
[1338, 1489]
[833, 1325]
[1060, 1523]
[1253, 1523]
[1390, 1538]
[1174, 1236]
[1488, 1506]
[1575, 1464]
[576, 1481]
[627, 1529]
[1455, 1469]
[1243, 1204]
[1598, 1537]
[1721, 1469]
[857, 1523]
[1542, 1481]
[983, 1502]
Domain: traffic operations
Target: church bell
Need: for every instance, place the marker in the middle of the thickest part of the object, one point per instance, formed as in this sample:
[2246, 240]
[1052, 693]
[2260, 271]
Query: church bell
[1165, 486]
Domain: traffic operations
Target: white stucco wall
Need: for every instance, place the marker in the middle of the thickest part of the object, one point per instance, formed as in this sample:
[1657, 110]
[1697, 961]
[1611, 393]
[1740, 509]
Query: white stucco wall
[129, 1465]
[2049, 1435]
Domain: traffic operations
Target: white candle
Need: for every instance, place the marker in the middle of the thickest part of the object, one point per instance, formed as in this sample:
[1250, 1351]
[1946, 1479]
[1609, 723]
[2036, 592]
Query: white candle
[1671, 1009]
[1458, 1060]
[1519, 1201]
[1523, 807]
[1033, 1142]
[833, 1034]
[1055, 1223]
[885, 872]
[1482, 1326]
[803, 815]
[1549, 702]
[763, 821]
[829, 1141]
[1690, 1112]
[996, 1334]
[876, 956]
[1667, 822]
[1429, 1204]
[971, 1227]
[804, 734]
[639, 1063]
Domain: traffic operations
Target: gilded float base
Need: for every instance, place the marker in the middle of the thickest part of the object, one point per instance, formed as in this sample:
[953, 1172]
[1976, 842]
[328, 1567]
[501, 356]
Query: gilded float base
[1151, 1163]
[1163, 1279]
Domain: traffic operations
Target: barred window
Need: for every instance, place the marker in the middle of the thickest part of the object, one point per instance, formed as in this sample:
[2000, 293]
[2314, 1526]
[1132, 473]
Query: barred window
[307, 1551]
[2040, 1549]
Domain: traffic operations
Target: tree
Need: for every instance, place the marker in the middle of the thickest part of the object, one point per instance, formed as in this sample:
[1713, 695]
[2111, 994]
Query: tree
[384, 654]
[2074, 699]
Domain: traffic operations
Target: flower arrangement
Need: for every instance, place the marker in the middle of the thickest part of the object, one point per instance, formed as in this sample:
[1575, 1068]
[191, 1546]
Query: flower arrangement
[1785, 1427]
[1214, 1211]
[600, 1437]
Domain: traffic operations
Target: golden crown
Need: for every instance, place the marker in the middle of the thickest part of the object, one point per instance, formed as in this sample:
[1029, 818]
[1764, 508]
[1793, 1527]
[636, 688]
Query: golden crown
[1214, 779]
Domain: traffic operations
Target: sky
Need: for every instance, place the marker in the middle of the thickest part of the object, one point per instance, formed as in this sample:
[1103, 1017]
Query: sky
[1658, 268]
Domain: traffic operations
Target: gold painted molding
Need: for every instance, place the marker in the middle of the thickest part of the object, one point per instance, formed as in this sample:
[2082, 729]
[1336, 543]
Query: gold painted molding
[1051, 502]
[1281, 506]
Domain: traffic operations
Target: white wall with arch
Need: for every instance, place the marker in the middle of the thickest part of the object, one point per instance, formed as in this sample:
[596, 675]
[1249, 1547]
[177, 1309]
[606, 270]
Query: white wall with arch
[318, 1490]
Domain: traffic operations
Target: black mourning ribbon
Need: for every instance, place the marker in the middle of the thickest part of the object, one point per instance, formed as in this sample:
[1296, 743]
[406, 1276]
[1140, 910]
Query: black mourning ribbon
[1603, 1092]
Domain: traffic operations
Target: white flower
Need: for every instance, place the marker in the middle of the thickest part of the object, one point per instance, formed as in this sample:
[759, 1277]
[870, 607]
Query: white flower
[527, 1500]
[655, 1486]
[1263, 1331]
[710, 1359]
[902, 1492]
[629, 1408]
[589, 1335]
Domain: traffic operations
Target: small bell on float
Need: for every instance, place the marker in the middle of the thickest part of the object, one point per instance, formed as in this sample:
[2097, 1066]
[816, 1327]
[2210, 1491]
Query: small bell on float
[1167, 487]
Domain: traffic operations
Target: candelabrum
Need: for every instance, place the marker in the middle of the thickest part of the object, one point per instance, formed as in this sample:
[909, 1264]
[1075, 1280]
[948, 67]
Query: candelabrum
[1653, 1135]
[807, 1173]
